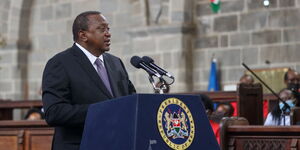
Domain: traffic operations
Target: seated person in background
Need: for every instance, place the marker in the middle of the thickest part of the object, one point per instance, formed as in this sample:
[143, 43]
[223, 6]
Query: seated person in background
[291, 80]
[277, 117]
[34, 114]
[247, 79]
[226, 109]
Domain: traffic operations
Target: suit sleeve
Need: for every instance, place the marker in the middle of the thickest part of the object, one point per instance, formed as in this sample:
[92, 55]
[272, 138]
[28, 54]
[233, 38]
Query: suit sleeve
[59, 110]
[131, 88]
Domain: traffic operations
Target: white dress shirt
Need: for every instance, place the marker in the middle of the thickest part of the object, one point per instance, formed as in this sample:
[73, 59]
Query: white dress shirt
[90, 56]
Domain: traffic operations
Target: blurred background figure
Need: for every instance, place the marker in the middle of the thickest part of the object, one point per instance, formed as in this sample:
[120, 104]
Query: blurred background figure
[247, 79]
[226, 109]
[34, 114]
[291, 80]
[277, 117]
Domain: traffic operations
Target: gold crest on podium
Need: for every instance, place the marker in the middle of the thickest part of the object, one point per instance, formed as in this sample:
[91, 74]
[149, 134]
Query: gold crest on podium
[175, 124]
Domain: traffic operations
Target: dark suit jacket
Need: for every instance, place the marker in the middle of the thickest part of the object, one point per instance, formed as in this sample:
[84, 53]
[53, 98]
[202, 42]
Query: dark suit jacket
[70, 83]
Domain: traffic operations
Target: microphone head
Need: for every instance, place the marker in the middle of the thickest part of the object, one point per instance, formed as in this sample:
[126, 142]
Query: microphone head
[148, 60]
[135, 61]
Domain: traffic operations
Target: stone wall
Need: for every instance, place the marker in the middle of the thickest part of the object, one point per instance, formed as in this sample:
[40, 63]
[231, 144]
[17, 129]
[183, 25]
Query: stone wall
[245, 31]
[181, 36]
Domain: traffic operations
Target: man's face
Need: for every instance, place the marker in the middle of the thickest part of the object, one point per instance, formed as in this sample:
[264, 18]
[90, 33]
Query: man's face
[292, 77]
[98, 35]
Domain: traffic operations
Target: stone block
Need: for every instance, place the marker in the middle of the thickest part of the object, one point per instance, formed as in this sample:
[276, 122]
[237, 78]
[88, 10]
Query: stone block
[206, 42]
[167, 60]
[48, 42]
[253, 20]
[178, 60]
[108, 6]
[240, 39]
[4, 15]
[58, 26]
[291, 35]
[204, 26]
[225, 23]
[46, 13]
[224, 40]
[204, 75]
[144, 45]
[250, 56]
[196, 76]
[234, 74]
[258, 4]
[63, 10]
[35, 87]
[287, 3]
[5, 4]
[85, 5]
[280, 54]
[178, 5]
[229, 57]
[200, 60]
[232, 6]
[5, 73]
[285, 18]
[6, 86]
[118, 35]
[37, 57]
[7, 58]
[266, 37]
[3, 29]
[121, 19]
[136, 9]
[203, 9]
[136, 21]
[169, 43]
[65, 40]
[123, 6]
[179, 16]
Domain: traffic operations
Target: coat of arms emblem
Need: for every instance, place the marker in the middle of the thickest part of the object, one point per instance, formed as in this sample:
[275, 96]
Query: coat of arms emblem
[175, 123]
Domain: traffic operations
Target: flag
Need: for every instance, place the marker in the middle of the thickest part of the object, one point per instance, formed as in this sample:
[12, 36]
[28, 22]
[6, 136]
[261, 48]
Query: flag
[213, 77]
[215, 5]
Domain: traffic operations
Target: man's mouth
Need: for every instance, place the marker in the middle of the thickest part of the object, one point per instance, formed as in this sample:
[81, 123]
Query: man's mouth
[107, 42]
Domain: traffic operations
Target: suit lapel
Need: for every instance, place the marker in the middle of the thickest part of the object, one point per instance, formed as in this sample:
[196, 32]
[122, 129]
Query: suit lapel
[89, 69]
[112, 74]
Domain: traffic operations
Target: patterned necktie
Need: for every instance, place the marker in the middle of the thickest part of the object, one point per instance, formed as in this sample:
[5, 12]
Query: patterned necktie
[103, 74]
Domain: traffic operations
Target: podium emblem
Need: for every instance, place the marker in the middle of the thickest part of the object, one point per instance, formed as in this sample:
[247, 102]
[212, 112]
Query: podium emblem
[175, 124]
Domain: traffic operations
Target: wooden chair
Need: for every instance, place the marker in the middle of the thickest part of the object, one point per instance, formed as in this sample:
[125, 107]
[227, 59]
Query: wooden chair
[250, 103]
[229, 121]
[295, 116]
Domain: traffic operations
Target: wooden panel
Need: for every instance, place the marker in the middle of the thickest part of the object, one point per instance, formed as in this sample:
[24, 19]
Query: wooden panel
[38, 139]
[11, 140]
[295, 116]
[250, 104]
[20, 104]
[262, 137]
[6, 114]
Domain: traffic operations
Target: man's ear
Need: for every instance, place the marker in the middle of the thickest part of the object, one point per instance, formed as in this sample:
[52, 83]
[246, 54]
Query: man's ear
[82, 36]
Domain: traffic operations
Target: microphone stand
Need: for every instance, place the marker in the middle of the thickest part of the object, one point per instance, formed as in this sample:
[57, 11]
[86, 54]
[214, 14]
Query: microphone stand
[285, 107]
[161, 88]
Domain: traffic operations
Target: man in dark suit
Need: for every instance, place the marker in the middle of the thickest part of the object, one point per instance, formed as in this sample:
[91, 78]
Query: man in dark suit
[79, 76]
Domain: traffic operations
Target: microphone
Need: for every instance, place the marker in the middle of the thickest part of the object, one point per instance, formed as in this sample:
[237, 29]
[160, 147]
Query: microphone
[137, 62]
[149, 61]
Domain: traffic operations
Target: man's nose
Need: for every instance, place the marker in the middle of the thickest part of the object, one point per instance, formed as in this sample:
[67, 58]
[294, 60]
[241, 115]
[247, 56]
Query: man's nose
[107, 34]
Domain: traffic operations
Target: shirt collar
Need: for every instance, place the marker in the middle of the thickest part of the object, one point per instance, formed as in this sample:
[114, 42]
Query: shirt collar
[89, 55]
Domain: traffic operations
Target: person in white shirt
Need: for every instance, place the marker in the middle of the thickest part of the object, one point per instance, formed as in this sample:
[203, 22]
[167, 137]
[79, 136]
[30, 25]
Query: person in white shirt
[277, 117]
